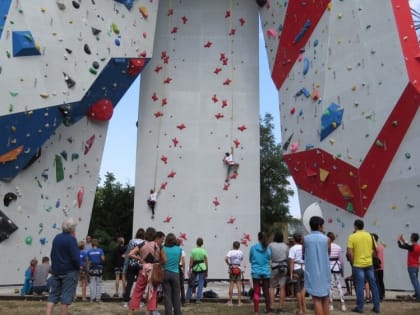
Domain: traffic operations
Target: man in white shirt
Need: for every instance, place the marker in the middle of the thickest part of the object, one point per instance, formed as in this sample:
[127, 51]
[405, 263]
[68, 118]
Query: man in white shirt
[231, 165]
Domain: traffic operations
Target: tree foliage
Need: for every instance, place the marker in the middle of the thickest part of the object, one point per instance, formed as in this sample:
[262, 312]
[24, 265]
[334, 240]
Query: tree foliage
[112, 215]
[274, 184]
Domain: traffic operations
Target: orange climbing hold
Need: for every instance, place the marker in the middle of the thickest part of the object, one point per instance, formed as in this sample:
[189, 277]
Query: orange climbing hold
[11, 155]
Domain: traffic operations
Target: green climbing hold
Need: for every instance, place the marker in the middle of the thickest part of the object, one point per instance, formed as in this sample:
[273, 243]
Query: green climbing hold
[59, 169]
[115, 28]
[28, 240]
[350, 207]
[92, 70]
[379, 143]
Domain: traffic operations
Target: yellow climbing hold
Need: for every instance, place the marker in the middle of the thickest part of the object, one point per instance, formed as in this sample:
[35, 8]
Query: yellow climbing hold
[144, 12]
[44, 95]
[364, 187]
[329, 6]
[394, 207]
[323, 174]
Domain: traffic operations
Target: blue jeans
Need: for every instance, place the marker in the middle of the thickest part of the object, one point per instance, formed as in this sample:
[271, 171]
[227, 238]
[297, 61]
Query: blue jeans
[413, 272]
[360, 275]
[194, 276]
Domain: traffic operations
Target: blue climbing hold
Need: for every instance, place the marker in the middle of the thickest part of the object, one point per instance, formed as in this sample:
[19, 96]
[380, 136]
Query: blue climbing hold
[305, 66]
[330, 120]
[127, 3]
[24, 44]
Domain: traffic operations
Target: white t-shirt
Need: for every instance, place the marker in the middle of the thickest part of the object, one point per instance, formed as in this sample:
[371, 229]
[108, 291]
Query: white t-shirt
[229, 159]
[153, 196]
[235, 256]
[295, 253]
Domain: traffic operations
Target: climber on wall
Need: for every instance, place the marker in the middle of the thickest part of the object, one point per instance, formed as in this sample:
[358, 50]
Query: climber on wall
[151, 201]
[231, 165]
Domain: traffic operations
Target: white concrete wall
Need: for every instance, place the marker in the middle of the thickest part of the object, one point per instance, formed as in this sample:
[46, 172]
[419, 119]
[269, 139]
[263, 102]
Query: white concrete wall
[361, 56]
[43, 202]
[188, 197]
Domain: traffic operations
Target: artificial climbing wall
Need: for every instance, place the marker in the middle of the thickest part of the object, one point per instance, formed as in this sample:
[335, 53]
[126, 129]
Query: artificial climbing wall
[198, 100]
[64, 65]
[348, 73]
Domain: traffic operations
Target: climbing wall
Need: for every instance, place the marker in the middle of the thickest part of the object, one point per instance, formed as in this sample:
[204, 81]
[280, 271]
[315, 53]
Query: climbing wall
[348, 73]
[64, 65]
[198, 100]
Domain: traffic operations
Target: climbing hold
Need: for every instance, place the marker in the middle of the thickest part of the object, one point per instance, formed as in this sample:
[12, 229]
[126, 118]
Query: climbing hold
[69, 81]
[261, 3]
[242, 128]
[115, 28]
[144, 11]
[87, 49]
[117, 42]
[102, 110]
[135, 66]
[305, 66]
[379, 143]
[8, 198]
[231, 220]
[7, 227]
[89, 144]
[95, 65]
[95, 31]
[345, 191]
[11, 155]
[24, 44]
[128, 3]
[59, 168]
[75, 4]
[302, 32]
[323, 174]
[61, 5]
[294, 147]
[407, 155]
[271, 33]
[28, 240]
[80, 195]
[331, 119]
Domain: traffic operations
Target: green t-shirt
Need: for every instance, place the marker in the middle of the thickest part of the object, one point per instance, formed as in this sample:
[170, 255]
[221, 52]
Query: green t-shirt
[198, 255]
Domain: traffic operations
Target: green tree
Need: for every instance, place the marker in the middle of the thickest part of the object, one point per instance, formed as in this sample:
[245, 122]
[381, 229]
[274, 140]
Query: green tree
[112, 215]
[274, 184]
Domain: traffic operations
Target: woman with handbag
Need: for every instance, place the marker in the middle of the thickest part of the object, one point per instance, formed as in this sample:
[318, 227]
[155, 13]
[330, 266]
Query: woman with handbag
[149, 254]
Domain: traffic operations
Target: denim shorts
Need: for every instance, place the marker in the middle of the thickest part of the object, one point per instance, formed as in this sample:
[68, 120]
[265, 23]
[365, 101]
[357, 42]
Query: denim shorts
[63, 287]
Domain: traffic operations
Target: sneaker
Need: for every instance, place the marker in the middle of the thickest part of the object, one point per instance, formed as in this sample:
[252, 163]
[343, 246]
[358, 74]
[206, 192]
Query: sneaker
[356, 310]
[125, 305]
[197, 302]
[115, 295]
[343, 307]
[240, 304]
[229, 303]
[331, 307]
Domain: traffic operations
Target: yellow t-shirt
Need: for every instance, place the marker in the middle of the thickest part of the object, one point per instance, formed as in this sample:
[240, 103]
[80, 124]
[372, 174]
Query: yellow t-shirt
[361, 244]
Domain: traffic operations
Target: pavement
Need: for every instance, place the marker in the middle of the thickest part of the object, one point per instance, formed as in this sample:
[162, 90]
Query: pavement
[221, 288]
